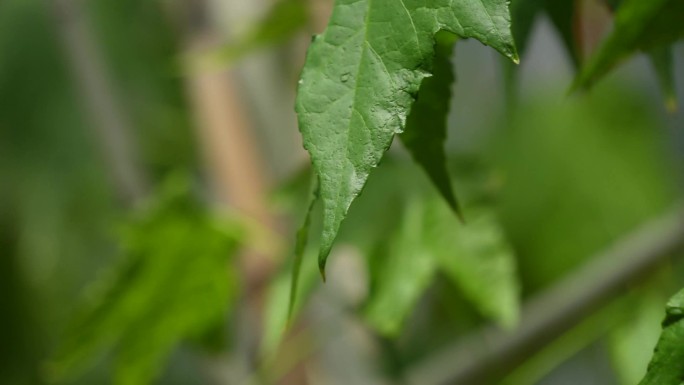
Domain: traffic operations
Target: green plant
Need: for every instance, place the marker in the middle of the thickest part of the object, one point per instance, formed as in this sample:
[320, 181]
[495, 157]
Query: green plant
[538, 237]
[381, 69]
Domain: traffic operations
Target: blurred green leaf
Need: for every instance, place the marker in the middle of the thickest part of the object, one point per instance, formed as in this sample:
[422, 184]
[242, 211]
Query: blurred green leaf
[478, 258]
[524, 14]
[578, 173]
[562, 15]
[475, 256]
[300, 246]
[407, 272]
[632, 339]
[174, 283]
[426, 125]
[359, 82]
[639, 25]
[667, 365]
[662, 59]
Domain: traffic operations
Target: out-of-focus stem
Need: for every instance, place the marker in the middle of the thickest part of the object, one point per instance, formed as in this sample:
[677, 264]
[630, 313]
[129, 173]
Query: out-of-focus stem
[231, 154]
[108, 120]
[238, 179]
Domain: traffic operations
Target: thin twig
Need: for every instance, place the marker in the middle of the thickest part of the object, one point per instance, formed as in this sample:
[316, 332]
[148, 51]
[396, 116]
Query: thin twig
[491, 352]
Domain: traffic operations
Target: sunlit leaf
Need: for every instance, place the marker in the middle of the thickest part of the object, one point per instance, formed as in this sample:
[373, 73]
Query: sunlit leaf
[360, 80]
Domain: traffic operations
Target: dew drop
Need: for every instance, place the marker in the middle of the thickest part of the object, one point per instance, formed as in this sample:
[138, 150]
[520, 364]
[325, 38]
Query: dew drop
[345, 77]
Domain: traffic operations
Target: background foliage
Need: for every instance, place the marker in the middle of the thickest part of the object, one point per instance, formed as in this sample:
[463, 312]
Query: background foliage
[102, 287]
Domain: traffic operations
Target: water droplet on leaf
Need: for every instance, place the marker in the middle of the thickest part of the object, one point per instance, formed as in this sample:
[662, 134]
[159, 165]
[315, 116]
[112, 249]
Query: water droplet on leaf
[345, 77]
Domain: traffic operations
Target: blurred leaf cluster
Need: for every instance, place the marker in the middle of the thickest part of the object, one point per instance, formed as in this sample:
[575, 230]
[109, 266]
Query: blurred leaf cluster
[175, 282]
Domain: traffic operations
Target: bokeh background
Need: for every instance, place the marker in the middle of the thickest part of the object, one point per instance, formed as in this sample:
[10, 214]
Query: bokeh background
[152, 179]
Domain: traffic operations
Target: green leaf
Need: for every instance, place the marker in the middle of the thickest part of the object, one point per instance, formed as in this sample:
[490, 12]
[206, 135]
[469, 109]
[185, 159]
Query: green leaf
[639, 25]
[360, 80]
[478, 258]
[621, 152]
[562, 15]
[662, 59]
[524, 13]
[667, 365]
[426, 125]
[174, 284]
[408, 271]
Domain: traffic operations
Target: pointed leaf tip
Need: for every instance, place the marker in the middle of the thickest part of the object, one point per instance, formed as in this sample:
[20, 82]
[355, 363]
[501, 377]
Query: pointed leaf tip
[355, 64]
[321, 269]
[323, 254]
[455, 208]
[426, 125]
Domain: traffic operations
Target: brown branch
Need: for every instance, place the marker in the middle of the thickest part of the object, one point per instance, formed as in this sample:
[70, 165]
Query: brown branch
[490, 352]
[232, 156]
[235, 169]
